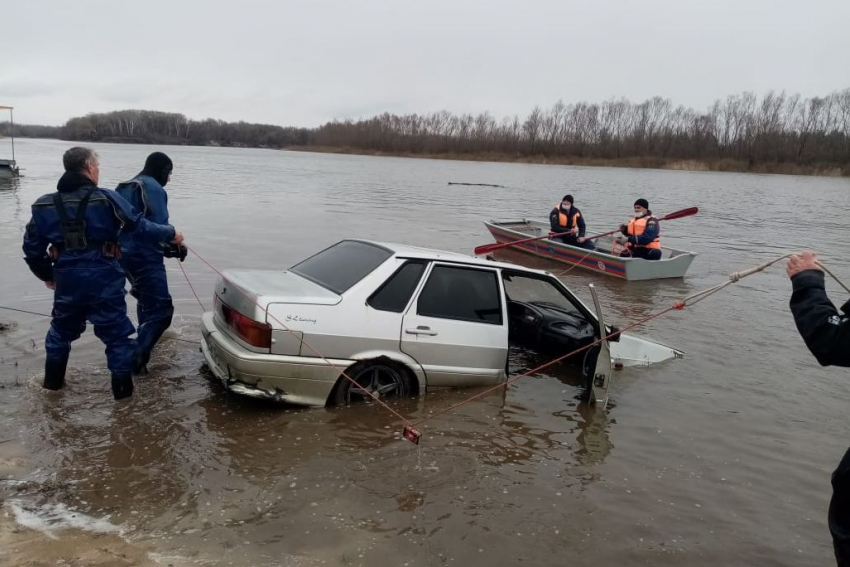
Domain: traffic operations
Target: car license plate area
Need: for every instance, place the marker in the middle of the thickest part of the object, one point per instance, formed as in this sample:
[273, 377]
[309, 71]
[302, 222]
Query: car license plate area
[218, 360]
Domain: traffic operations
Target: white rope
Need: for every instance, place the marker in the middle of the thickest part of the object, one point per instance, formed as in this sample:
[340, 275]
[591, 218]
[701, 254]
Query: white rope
[735, 277]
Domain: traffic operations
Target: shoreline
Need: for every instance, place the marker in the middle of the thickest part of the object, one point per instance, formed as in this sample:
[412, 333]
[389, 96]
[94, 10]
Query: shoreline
[725, 165]
[722, 166]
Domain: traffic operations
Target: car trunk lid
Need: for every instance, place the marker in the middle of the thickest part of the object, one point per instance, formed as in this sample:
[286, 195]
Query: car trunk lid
[244, 296]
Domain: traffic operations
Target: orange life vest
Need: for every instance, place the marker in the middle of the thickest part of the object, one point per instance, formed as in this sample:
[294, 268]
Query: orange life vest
[564, 219]
[636, 228]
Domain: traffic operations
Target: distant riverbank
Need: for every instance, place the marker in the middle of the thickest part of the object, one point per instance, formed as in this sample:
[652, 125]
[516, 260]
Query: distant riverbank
[724, 165]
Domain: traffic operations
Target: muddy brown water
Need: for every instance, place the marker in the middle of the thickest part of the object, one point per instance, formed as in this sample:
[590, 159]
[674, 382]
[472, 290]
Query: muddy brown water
[723, 457]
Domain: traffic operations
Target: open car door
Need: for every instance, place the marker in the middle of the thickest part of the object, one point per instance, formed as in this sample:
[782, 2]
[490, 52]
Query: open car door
[600, 382]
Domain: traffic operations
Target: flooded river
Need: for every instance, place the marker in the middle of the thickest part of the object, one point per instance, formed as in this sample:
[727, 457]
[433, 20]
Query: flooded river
[722, 458]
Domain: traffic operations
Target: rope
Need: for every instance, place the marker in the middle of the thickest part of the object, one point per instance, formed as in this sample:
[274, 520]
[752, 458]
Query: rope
[510, 381]
[316, 352]
[25, 311]
[825, 269]
[691, 299]
[735, 277]
[185, 275]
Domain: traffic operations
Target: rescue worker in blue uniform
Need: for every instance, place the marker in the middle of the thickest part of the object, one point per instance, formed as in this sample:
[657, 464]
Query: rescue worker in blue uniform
[566, 220]
[71, 243]
[641, 235]
[143, 260]
[826, 332]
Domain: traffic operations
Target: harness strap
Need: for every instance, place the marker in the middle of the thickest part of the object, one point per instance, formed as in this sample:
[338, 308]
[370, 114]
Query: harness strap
[73, 230]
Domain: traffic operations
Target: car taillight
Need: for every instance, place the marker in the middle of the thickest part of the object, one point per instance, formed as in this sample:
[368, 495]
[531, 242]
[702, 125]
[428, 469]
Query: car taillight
[252, 332]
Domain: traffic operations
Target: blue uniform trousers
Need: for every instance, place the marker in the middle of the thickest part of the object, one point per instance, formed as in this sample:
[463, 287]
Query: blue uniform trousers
[94, 294]
[149, 285]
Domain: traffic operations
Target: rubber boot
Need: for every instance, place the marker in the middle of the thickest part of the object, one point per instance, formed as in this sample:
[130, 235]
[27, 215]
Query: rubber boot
[122, 386]
[54, 374]
[140, 364]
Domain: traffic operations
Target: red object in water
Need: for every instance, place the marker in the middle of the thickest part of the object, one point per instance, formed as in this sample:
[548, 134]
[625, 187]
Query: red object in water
[411, 434]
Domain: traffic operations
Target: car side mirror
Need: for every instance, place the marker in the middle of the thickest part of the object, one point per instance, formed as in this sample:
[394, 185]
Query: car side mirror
[610, 331]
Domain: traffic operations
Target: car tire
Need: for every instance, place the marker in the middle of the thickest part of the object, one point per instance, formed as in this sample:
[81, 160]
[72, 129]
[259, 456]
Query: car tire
[383, 377]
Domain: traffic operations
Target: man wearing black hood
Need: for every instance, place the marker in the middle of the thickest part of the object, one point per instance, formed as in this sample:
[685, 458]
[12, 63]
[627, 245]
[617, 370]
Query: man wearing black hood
[71, 244]
[143, 260]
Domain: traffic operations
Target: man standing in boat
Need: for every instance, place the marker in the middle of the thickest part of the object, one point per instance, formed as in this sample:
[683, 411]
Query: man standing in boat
[826, 332]
[566, 220]
[641, 234]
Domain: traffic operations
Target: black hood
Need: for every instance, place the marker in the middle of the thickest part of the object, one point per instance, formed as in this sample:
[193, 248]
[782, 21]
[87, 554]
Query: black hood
[72, 180]
[158, 165]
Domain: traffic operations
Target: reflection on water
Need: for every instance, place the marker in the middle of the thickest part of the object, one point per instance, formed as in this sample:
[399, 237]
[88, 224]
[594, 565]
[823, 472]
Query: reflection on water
[521, 474]
[10, 197]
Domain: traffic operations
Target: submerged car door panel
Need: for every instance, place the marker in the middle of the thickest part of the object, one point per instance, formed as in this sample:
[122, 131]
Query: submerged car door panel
[456, 328]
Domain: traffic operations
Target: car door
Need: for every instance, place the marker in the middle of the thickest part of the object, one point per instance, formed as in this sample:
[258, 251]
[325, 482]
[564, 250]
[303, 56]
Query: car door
[456, 328]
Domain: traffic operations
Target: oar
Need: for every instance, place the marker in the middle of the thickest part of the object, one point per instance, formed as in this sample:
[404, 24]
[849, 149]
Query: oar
[487, 248]
[674, 215]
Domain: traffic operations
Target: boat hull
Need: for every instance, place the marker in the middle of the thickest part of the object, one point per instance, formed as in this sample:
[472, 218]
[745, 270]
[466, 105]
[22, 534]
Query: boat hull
[674, 263]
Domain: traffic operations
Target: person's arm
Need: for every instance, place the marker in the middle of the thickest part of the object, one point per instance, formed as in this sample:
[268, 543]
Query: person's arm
[35, 253]
[135, 222]
[581, 226]
[553, 222]
[650, 233]
[158, 202]
[825, 331]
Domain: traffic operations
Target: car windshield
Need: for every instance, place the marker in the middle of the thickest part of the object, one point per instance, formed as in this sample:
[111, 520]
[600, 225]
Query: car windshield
[537, 291]
[342, 265]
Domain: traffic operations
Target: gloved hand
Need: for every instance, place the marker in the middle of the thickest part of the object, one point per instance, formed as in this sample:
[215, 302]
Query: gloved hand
[176, 251]
[624, 229]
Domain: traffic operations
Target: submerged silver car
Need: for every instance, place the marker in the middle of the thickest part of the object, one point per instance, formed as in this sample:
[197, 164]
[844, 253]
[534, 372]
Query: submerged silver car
[397, 320]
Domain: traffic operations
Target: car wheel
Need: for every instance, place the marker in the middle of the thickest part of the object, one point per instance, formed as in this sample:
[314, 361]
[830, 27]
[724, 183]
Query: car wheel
[383, 379]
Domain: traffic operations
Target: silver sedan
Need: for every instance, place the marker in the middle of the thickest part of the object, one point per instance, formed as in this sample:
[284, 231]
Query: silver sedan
[396, 320]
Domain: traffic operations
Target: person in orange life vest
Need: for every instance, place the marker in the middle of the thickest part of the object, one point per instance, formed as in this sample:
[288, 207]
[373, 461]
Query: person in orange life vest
[641, 234]
[566, 220]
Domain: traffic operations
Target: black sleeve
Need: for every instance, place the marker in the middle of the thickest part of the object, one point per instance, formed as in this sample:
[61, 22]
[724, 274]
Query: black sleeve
[35, 253]
[582, 227]
[825, 331]
[553, 221]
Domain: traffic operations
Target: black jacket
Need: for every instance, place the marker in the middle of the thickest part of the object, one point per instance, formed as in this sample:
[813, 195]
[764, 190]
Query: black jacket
[825, 330]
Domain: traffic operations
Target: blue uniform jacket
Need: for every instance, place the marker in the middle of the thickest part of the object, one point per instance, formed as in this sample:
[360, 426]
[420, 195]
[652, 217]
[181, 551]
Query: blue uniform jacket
[145, 194]
[107, 216]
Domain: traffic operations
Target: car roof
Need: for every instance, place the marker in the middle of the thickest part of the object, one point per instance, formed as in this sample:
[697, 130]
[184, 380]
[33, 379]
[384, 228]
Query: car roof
[418, 252]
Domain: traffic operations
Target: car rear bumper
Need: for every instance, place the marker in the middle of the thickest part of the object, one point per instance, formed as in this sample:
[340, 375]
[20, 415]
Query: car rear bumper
[292, 379]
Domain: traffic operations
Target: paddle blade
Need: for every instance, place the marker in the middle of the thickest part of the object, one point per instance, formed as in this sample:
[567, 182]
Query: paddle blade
[487, 248]
[679, 214]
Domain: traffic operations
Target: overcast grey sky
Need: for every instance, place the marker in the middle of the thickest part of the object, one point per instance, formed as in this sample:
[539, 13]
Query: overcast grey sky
[305, 62]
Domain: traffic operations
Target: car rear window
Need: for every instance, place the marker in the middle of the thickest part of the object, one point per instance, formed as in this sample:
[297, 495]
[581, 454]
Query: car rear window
[394, 293]
[342, 265]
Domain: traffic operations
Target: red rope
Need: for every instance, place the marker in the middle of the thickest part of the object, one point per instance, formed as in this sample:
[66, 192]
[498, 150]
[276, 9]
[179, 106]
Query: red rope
[505, 384]
[318, 354]
[412, 434]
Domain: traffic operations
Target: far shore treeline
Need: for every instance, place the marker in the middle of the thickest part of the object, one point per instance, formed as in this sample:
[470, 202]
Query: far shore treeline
[775, 132]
